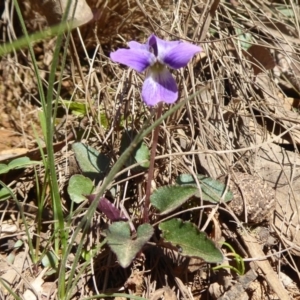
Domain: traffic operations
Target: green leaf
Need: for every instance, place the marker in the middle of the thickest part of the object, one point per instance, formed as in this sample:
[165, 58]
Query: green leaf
[5, 193]
[18, 244]
[88, 254]
[212, 190]
[92, 163]
[168, 198]
[190, 240]
[77, 108]
[140, 155]
[103, 120]
[11, 257]
[286, 10]
[125, 246]
[50, 260]
[17, 163]
[245, 38]
[79, 186]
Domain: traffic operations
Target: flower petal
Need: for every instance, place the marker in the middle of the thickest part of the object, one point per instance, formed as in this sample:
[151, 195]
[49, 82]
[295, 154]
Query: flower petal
[159, 86]
[160, 47]
[136, 58]
[179, 56]
[137, 46]
[175, 54]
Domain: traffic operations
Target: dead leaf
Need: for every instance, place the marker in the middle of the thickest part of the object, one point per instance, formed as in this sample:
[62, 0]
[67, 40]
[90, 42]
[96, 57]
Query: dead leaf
[54, 10]
[291, 103]
[15, 269]
[260, 58]
[48, 288]
[7, 229]
[275, 117]
[135, 282]
[236, 290]
[12, 153]
[36, 284]
[165, 293]
[280, 168]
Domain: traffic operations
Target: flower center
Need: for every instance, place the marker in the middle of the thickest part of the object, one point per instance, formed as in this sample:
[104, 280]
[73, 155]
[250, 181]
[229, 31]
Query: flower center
[157, 67]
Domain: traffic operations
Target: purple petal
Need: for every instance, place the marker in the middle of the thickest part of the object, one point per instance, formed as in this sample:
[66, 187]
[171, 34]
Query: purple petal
[137, 46]
[160, 47]
[152, 44]
[136, 58]
[159, 86]
[179, 56]
[175, 54]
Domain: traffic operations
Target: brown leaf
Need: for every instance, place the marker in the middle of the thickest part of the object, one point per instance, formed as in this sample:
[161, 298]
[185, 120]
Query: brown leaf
[278, 167]
[260, 58]
[54, 10]
[165, 293]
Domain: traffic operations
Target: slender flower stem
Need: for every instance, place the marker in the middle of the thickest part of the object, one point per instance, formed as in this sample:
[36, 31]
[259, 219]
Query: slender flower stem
[151, 167]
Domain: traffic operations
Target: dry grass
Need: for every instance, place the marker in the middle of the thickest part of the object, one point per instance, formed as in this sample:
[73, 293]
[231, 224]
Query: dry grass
[245, 121]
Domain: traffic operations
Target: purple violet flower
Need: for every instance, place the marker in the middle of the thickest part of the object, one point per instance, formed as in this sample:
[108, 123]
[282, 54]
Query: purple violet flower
[155, 55]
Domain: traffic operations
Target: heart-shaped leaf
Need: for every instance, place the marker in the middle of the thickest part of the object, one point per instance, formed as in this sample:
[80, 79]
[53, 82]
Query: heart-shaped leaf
[92, 163]
[17, 163]
[212, 190]
[168, 198]
[78, 187]
[125, 246]
[190, 240]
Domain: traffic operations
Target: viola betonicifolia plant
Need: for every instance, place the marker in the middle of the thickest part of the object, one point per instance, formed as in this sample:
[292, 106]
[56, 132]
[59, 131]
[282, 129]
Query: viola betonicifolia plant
[159, 86]
[155, 57]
